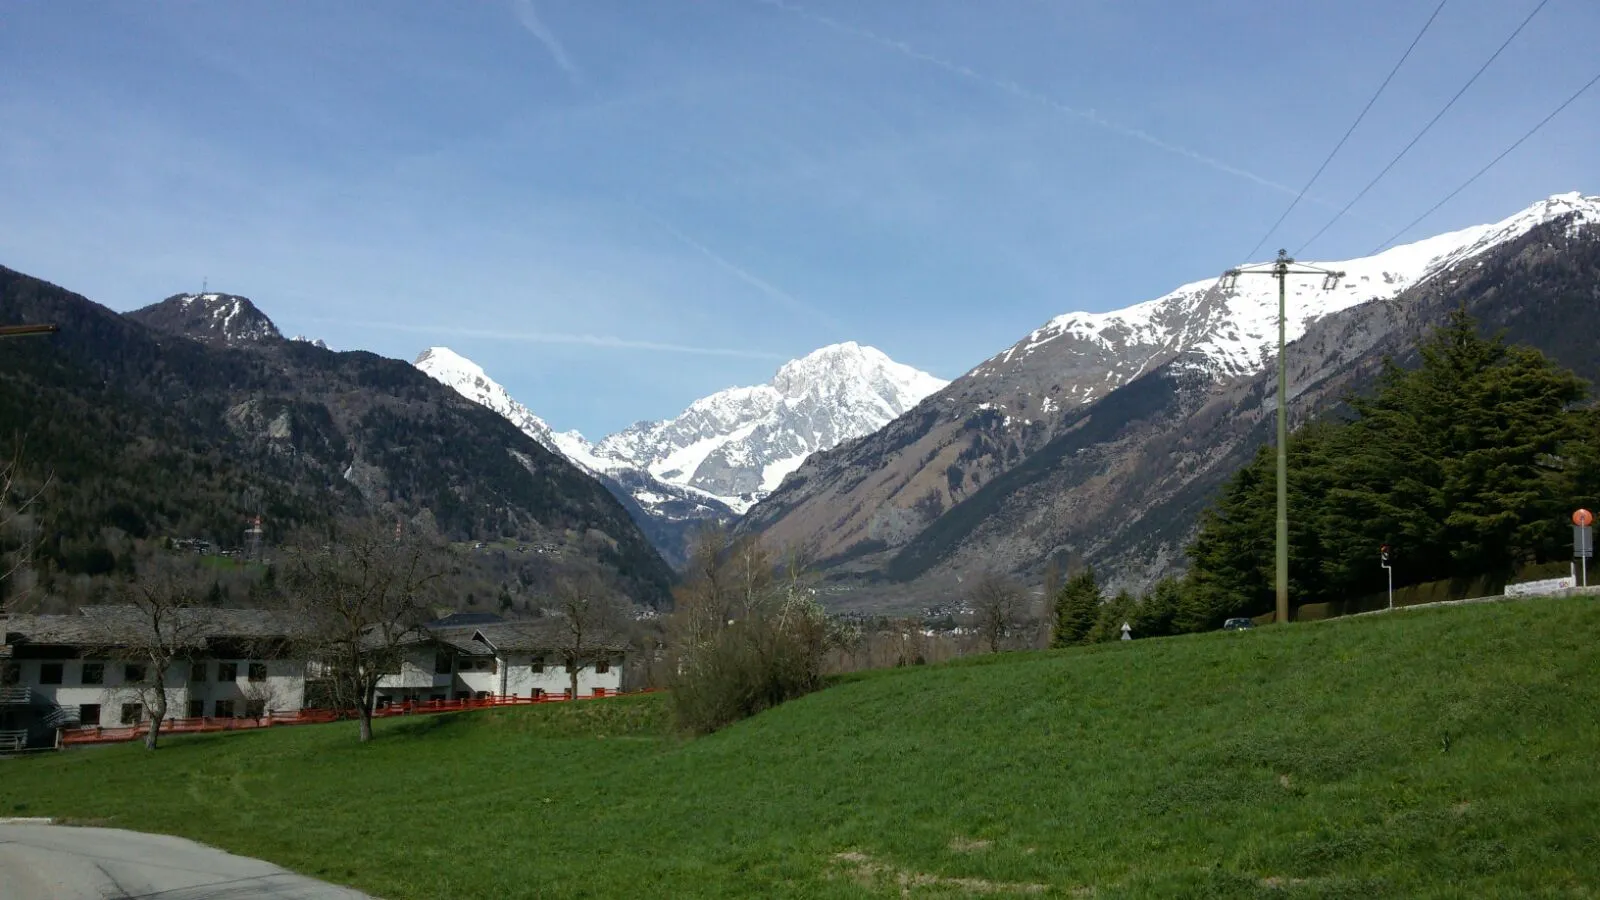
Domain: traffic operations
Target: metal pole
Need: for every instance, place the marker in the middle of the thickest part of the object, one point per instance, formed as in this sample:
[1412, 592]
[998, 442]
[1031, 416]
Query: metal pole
[1390, 570]
[1283, 452]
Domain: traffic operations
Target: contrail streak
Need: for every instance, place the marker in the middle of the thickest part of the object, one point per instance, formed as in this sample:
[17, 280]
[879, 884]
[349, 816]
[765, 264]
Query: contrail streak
[529, 17]
[755, 281]
[1032, 96]
[609, 342]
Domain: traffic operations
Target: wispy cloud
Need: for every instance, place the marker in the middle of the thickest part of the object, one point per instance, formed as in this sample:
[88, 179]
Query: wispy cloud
[604, 341]
[529, 17]
[739, 272]
[1091, 116]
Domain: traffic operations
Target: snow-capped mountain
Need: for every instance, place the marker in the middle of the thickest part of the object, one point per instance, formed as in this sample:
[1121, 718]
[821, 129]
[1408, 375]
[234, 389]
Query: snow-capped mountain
[738, 444]
[667, 513]
[725, 451]
[469, 380]
[212, 318]
[1104, 434]
[1235, 332]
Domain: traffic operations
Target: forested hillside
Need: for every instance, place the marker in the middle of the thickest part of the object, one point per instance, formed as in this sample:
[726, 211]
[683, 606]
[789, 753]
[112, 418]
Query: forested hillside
[149, 434]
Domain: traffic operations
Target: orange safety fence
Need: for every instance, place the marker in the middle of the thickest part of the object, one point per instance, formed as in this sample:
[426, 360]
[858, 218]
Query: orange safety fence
[94, 734]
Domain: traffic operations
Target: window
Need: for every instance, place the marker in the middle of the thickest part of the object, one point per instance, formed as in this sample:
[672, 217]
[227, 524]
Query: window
[602, 667]
[538, 693]
[443, 663]
[223, 709]
[538, 666]
[94, 673]
[227, 671]
[89, 714]
[133, 673]
[197, 708]
[258, 672]
[197, 671]
[50, 673]
[132, 713]
[255, 709]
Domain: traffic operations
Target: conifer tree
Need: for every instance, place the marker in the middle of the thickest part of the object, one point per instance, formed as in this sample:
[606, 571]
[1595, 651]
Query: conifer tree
[1077, 605]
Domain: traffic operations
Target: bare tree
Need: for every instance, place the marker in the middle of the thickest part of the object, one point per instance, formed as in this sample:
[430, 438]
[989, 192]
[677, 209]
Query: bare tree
[997, 609]
[593, 619]
[154, 625]
[19, 532]
[362, 592]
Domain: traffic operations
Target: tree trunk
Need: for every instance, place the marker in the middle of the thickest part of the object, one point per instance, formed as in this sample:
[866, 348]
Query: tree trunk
[572, 671]
[158, 711]
[364, 711]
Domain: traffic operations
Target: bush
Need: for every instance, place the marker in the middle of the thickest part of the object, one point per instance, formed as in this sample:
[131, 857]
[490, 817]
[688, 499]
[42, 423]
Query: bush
[754, 664]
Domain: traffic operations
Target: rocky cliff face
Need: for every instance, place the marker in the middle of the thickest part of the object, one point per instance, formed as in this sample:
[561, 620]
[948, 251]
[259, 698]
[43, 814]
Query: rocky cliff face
[1102, 436]
[220, 319]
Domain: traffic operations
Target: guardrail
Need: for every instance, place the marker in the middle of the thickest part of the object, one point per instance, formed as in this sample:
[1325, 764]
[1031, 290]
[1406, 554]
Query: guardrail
[12, 741]
[207, 724]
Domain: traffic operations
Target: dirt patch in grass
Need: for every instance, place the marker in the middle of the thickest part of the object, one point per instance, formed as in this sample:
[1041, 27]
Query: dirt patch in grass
[959, 844]
[870, 873]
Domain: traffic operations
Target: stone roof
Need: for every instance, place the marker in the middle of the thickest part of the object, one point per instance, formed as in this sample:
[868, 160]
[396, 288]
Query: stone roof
[109, 625]
[539, 635]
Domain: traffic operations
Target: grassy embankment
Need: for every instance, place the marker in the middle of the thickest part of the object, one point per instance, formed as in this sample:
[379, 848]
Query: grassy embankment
[1429, 753]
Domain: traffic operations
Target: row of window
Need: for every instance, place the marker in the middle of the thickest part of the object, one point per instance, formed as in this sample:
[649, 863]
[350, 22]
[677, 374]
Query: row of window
[93, 673]
[133, 713]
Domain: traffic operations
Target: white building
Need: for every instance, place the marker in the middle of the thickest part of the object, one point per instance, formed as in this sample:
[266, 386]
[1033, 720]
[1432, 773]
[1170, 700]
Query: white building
[499, 659]
[79, 670]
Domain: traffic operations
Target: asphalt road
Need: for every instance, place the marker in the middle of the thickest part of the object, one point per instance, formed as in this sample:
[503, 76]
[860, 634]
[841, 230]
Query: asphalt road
[52, 862]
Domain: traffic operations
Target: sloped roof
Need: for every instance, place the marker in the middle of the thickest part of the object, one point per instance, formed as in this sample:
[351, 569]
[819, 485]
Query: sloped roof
[112, 624]
[462, 619]
[538, 636]
[461, 639]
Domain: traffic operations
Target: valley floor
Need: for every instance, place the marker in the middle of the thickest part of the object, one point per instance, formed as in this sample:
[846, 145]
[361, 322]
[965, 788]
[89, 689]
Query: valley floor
[1439, 753]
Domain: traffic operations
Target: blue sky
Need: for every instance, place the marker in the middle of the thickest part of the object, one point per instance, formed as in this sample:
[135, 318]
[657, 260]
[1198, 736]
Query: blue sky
[617, 206]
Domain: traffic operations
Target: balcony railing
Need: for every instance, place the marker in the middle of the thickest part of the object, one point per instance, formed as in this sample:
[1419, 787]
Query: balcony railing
[12, 741]
[15, 695]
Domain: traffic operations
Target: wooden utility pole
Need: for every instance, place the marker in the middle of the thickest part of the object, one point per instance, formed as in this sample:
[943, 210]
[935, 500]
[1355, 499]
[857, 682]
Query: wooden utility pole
[1281, 270]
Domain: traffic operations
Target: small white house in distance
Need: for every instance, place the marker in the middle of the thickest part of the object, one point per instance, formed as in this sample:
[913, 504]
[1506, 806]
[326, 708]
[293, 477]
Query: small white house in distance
[494, 658]
[78, 670]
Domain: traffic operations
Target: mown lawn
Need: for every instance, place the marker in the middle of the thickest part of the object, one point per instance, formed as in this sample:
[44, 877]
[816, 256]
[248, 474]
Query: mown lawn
[1429, 753]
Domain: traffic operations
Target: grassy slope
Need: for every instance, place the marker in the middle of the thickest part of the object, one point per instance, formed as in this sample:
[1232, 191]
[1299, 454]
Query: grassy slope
[1431, 753]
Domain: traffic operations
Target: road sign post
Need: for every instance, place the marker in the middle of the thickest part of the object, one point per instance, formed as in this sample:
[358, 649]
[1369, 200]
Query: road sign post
[1383, 560]
[1583, 542]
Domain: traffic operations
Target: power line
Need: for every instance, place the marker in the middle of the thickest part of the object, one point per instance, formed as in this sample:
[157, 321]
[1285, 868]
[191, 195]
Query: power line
[1503, 154]
[1349, 131]
[1437, 116]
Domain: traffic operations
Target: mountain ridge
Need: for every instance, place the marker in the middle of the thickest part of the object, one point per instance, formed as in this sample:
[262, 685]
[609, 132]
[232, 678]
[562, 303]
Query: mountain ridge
[668, 472]
[882, 508]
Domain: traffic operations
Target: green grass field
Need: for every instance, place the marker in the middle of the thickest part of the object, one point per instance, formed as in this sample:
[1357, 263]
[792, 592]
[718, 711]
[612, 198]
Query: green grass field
[1429, 753]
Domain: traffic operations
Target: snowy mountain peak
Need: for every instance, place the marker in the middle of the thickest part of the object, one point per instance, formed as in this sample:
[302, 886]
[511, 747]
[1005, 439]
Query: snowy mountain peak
[1234, 332]
[739, 443]
[469, 380]
[211, 317]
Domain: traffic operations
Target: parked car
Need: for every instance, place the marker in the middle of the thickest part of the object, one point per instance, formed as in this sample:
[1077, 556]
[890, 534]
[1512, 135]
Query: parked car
[1237, 624]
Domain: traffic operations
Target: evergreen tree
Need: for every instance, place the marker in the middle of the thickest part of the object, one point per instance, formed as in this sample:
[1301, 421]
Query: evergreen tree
[1110, 618]
[1155, 614]
[1467, 466]
[1077, 605]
